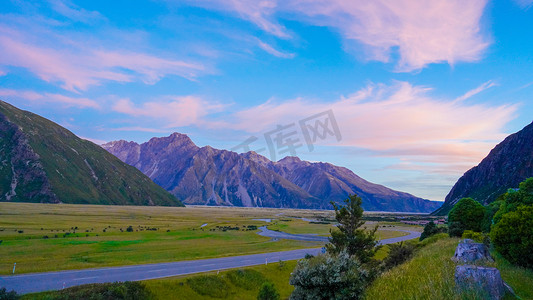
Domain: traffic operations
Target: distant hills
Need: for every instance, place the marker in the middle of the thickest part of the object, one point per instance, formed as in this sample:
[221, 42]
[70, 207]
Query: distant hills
[508, 164]
[41, 161]
[209, 176]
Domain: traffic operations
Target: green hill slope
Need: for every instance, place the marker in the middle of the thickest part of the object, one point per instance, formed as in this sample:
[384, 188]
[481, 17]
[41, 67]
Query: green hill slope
[41, 161]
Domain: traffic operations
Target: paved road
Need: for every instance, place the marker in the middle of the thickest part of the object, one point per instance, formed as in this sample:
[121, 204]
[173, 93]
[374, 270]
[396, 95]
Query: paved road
[315, 238]
[283, 235]
[37, 282]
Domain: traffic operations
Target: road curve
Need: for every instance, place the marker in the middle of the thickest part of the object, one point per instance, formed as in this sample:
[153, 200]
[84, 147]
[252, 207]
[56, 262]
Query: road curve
[315, 238]
[38, 282]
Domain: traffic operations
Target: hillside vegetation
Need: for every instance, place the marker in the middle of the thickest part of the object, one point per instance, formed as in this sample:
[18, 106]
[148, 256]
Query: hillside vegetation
[44, 162]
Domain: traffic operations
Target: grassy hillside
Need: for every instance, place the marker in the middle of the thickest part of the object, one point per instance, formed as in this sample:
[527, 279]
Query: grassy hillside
[430, 275]
[77, 170]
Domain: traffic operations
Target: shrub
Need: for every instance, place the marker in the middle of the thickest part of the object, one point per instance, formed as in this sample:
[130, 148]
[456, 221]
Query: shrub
[490, 211]
[431, 229]
[130, 290]
[468, 213]
[209, 285]
[515, 198]
[5, 295]
[479, 237]
[398, 254]
[246, 279]
[330, 276]
[268, 292]
[455, 229]
[513, 236]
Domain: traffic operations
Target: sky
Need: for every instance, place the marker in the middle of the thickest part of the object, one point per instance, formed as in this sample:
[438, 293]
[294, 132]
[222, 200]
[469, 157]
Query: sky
[405, 93]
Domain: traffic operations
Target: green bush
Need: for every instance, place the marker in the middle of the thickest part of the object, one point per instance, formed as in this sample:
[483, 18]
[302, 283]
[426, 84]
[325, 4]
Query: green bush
[490, 212]
[268, 292]
[455, 229]
[5, 295]
[513, 236]
[209, 285]
[246, 279]
[331, 277]
[467, 214]
[130, 290]
[398, 254]
[432, 239]
[515, 198]
[431, 229]
[477, 236]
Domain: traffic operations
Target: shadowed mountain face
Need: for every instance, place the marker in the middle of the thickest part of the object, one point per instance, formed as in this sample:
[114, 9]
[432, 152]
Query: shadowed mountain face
[219, 177]
[508, 164]
[41, 161]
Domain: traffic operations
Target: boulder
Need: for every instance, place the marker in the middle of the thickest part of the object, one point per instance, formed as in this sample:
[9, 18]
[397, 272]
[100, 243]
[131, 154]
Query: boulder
[468, 252]
[484, 282]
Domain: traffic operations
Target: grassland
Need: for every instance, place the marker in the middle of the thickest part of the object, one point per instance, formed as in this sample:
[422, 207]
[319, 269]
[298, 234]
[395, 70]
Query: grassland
[430, 275]
[231, 284]
[49, 237]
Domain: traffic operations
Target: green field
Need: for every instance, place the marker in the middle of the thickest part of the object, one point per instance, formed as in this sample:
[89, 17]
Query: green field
[50, 237]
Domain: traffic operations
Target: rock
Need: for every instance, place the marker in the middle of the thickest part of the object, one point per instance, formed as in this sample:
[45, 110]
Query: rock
[468, 252]
[485, 282]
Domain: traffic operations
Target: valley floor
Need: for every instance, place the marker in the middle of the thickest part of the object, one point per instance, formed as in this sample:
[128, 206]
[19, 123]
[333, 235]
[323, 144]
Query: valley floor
[44, 237]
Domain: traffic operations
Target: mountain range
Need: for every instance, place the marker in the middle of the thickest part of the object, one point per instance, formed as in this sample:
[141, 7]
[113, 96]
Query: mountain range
[208, 176]
[41, 161]
[508, 164]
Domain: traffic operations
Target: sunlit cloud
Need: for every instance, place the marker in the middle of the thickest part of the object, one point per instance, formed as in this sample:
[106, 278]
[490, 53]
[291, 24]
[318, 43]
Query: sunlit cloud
[258, 12]
[74, 12]
[269, 49]
[80, 67]
[476, 91]
[400, 121]
[421, 32]
[176, 111]
[40, 98]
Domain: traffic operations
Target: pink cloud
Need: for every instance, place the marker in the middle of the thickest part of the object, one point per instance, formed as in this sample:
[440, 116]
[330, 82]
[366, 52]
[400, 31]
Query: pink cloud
[400, 121]
[258, 12]
[269, 49]
[78, 67]
[423, 32]
[50, 98]
[175, 112]
[72, 11]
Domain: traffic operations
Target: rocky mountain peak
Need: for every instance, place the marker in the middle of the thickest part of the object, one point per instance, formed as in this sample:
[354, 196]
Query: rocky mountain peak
[508, 164]
[210, 176]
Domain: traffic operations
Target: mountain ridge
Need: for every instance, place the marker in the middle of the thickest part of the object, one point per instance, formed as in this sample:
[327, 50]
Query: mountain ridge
[508, 163]
[40, 161]
[209, 176]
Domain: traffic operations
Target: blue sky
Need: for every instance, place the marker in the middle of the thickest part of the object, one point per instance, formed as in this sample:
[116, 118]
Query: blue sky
[420, 90]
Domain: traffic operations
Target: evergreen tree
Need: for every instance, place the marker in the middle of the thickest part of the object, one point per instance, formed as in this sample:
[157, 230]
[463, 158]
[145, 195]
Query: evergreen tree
[349, 235]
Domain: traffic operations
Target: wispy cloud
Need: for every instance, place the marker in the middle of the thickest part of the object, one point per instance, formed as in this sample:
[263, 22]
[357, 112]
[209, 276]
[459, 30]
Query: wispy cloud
[80, 67]
[400, 121]
[422, 32]
[80, 102]
[269, 49]
[258, 12]
[74, 12]
[139, 129]
[476, 91]
[176, 111]
[524, 4]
